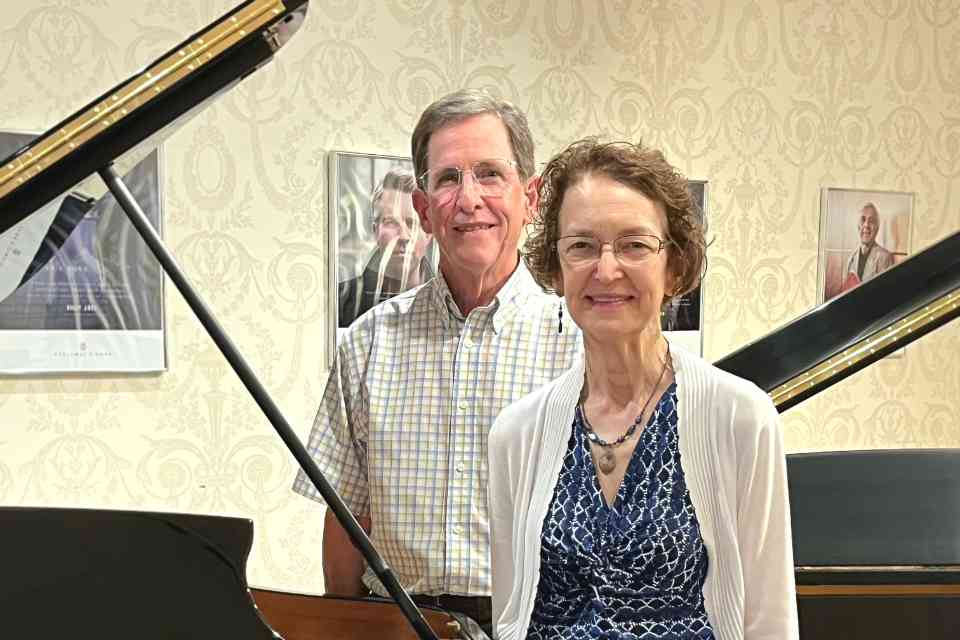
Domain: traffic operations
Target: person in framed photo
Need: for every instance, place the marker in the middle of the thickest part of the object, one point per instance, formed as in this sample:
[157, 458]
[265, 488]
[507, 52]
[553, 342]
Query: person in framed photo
[682, 313]
[399, 260]
[868, 259]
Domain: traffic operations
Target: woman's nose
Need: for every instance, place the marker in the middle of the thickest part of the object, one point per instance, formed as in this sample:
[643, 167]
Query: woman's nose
[608, 266]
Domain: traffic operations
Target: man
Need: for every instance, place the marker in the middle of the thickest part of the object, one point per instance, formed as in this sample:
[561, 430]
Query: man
[869, 258]
[398, 262]
[417, 382]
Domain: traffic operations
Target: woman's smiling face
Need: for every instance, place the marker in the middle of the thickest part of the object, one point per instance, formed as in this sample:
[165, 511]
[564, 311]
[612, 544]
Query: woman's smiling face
[607, 299]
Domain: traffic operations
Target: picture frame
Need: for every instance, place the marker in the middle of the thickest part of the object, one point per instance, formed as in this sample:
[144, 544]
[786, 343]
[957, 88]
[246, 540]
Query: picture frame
[376, 247]
[80, 292]
[682, 318]
[854, 219]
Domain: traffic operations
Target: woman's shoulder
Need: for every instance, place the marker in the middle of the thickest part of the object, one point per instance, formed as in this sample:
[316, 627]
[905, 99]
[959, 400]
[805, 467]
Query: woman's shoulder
[741, 397]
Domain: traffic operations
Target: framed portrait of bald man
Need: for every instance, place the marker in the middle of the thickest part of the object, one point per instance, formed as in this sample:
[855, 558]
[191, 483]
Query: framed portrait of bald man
[862, 234]
[377, 248]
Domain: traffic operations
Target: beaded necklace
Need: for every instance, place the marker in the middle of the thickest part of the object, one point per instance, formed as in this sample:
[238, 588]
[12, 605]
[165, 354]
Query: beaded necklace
[607, 462]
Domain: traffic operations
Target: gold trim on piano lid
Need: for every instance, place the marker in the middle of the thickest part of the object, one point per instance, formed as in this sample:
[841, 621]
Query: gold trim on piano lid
[138, 92]
[887, 337]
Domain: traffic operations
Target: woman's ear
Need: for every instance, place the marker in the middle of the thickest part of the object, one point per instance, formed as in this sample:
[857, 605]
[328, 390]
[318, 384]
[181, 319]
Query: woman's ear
[673, 284]
[674, 289]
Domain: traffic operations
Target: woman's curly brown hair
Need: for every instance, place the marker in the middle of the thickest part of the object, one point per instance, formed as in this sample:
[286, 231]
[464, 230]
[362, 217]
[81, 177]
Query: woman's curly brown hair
[632, 165]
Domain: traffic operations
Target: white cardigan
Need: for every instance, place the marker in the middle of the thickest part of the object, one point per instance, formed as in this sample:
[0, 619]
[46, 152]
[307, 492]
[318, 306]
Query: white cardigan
[732, 456]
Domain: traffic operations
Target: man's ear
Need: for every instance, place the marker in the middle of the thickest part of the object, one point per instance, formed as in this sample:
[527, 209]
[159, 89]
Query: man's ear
[422, 204]
[532, 197]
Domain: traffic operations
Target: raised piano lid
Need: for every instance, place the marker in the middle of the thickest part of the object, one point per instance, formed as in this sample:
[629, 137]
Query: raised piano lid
[856, 329]
[134, 116]
[83, 573]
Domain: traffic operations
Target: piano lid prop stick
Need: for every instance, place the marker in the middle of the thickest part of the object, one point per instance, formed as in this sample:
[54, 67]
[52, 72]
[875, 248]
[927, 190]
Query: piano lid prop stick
[139, 220]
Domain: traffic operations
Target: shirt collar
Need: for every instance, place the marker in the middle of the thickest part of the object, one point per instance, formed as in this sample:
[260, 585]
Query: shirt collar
[509, 299]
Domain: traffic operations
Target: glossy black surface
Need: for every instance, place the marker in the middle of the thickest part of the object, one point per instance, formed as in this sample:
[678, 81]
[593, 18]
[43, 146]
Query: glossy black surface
[69, 215]
[876, 508]
[176, 101]
[75, 573]
[842, 322]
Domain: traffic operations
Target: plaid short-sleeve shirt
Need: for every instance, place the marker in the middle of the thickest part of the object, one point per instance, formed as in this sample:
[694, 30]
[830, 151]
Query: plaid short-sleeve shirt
[401, 432]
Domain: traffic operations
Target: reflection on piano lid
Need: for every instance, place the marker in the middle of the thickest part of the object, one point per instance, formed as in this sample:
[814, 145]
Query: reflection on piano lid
[861, 326]
[135, 115]
[75, 573]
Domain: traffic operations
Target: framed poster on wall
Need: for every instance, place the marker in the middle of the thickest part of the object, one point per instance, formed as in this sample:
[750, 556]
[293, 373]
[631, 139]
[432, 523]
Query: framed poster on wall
[682, 318]
[79, 290]
[862, 233]
[377, 248]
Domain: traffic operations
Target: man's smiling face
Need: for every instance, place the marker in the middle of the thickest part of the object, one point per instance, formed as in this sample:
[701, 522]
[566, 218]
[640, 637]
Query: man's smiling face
[478, 234]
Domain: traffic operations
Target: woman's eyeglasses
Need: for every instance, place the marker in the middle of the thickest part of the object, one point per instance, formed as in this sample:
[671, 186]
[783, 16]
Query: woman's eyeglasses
[630, 250]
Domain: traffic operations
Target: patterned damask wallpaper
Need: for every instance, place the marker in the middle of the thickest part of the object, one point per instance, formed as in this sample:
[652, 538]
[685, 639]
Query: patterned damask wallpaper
[768, 100]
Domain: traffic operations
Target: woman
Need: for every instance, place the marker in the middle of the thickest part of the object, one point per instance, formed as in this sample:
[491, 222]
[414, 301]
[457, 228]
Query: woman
[642, 494]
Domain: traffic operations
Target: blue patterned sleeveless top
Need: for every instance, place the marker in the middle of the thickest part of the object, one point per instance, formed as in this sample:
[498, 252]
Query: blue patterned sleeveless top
[630, 571]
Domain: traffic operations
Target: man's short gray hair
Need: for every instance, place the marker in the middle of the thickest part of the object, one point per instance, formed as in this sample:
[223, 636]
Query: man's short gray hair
[461, 105]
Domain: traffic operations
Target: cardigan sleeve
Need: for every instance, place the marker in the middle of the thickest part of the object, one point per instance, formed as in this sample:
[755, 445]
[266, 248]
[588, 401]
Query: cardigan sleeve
[500, 497]
[763, 522]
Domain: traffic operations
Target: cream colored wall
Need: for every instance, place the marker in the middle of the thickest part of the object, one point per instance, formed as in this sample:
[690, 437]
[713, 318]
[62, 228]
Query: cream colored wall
[769, 101]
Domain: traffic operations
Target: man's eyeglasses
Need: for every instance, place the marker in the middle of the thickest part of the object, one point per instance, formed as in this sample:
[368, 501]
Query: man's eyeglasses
[630, 250]
[492, 177]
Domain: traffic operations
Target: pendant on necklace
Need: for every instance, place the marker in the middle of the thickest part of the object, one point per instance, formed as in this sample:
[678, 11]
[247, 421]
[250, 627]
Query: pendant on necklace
[607, 463]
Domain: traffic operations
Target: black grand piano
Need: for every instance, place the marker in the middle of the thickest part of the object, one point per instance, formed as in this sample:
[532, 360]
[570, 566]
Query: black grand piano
[876, 533]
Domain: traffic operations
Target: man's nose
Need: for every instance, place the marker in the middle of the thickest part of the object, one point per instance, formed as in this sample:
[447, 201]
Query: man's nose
[468, 195]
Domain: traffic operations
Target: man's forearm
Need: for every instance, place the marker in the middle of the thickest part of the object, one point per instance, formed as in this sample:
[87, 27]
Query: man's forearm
[343, 565]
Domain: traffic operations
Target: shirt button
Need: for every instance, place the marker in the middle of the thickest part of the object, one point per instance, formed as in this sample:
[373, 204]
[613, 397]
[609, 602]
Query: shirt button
[459, 467]
[469, 344]
[456, 530]
[463, 405]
